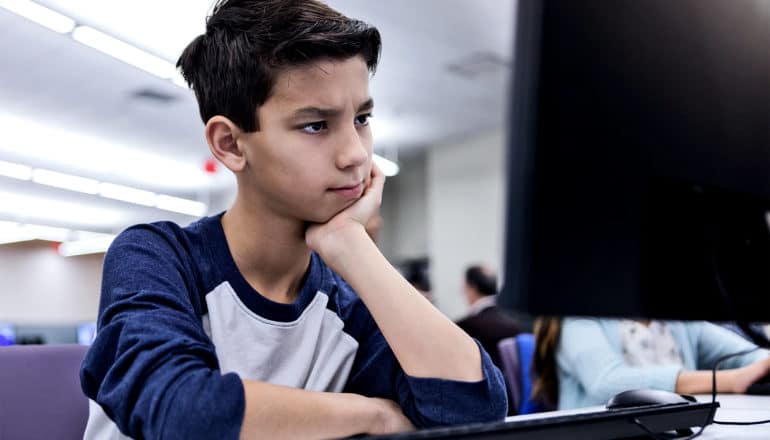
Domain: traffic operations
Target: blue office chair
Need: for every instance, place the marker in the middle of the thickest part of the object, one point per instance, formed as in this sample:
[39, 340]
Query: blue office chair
[516, 357]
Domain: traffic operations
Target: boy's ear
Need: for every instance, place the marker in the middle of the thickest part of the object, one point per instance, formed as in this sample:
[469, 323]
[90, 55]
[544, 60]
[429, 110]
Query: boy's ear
[221, 135]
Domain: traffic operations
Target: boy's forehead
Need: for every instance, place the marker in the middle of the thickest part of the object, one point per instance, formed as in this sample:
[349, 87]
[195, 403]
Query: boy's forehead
[323, 84]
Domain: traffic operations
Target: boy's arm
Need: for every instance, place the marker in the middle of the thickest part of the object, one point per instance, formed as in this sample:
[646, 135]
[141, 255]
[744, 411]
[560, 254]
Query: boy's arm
[426, 343]
[155, 373]
[438, 372]
[274, 411]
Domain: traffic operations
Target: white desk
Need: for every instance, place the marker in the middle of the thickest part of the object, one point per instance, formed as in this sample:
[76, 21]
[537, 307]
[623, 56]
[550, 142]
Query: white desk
[733, 408]
[738, 408]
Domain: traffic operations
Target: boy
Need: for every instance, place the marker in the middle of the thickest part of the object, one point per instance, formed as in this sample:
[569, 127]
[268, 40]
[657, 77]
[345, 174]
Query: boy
[279, 318]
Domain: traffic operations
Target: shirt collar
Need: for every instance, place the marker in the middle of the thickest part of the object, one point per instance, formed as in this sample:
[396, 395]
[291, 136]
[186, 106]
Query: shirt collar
[481, 304]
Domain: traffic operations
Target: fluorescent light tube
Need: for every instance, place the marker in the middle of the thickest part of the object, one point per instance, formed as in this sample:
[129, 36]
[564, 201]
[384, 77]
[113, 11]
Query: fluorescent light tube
[124, 52]
[15, 171]
[95, 245]
[65, 181]
[178, 79]
[40, 15]
[29, 207]
[388, 167]
[127, 194]
[48, 233]
[183, 206]
[63, 148]
[14, 233]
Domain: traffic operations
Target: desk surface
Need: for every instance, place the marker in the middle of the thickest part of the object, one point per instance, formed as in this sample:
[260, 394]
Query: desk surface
[733, 408]
[739, 408]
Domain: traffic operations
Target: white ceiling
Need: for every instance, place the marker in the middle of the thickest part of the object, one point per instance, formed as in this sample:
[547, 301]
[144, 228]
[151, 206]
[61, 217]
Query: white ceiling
[63, 106]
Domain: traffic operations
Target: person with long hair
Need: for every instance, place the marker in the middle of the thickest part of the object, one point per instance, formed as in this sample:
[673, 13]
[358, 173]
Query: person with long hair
[584, 361]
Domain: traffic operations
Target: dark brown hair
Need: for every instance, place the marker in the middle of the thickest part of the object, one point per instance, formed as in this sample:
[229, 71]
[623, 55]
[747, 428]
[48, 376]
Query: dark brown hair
[545, 388]
[232, 67]
[485, 283]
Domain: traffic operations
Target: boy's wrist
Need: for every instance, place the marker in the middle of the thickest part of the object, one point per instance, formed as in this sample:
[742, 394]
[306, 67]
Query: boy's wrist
[337, 245]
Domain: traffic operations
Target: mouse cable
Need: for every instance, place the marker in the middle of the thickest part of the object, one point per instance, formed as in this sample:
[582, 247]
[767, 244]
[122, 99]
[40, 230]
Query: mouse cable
[664, 436]
[714, 389]
[758, 339]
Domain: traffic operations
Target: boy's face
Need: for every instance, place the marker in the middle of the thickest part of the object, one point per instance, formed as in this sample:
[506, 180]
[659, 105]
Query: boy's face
[311, 156]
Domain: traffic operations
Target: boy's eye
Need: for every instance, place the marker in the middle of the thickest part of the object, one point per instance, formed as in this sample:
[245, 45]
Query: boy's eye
[314, 127]
[363, 119]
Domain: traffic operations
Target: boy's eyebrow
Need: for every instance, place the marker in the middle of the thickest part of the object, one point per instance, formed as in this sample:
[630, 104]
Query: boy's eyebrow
[367, 105]
[326, 113]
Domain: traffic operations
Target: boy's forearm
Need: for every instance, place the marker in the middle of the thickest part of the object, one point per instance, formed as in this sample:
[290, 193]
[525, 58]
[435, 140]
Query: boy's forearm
[425, 342]
[274, 411]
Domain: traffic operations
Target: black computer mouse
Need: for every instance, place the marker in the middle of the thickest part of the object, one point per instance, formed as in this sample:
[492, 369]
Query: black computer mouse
[647, 397]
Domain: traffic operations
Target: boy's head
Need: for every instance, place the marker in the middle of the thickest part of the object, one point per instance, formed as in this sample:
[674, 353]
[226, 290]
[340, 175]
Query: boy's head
[232, 68]
[283, 88]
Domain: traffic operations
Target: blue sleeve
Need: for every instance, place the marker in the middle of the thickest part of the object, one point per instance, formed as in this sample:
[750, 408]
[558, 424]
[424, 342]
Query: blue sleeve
[713, 342]
[586, 354]
[427, 402]
[151, 367]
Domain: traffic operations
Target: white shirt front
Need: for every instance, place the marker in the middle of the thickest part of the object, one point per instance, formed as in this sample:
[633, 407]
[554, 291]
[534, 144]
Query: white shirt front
[649, 345]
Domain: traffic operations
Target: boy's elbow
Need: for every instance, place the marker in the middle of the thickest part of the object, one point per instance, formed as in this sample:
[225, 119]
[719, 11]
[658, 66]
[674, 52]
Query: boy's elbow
[465, 402]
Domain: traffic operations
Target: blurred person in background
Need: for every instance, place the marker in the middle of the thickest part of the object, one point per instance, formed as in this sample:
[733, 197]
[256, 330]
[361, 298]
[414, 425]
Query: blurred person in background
[485, 321]
[581, 362]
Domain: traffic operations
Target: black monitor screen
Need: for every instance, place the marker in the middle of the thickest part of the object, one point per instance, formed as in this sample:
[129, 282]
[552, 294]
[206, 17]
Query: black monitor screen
[639, 160]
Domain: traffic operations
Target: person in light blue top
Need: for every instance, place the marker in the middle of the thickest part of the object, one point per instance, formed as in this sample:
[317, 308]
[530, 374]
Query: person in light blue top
[598, 358]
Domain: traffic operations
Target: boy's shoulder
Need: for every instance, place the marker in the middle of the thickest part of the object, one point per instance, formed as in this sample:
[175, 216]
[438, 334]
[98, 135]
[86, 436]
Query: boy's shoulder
[165, 244]
[167, 233]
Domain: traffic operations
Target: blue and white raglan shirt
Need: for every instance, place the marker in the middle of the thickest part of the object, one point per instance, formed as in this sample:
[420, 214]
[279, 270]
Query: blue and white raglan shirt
[179, 327]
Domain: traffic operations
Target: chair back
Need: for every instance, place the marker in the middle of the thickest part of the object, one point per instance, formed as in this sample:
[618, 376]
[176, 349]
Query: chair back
[40, 394]
[516, 357]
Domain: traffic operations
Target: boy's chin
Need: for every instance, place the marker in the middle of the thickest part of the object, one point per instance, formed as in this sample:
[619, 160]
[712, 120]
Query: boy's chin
[328, 213]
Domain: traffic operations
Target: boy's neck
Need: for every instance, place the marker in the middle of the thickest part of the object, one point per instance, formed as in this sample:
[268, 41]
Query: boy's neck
[269, 251]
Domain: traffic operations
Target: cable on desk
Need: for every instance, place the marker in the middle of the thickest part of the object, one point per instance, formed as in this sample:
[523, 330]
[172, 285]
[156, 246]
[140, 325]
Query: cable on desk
[663, 436]
[714, 388]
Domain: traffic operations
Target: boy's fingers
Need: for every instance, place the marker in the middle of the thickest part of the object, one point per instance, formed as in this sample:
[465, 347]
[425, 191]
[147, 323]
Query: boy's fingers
[378, 182]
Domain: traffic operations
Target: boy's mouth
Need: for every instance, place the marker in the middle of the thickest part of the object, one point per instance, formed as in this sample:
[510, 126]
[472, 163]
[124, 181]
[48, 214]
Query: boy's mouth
[349, 192]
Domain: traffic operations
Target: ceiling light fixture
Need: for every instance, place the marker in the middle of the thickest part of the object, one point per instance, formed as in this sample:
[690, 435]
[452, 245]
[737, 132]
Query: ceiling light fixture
[124, 52]
[40, 15]
[388, 167]
[15, 171]
[23, 207]
[63, 148]
[105, 189]
[127, 194]
[96, 245]
[65, 181]
[184, 206]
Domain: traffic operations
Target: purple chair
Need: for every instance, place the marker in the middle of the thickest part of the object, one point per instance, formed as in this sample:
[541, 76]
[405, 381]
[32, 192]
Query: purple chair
[40, 395]
[516, 357]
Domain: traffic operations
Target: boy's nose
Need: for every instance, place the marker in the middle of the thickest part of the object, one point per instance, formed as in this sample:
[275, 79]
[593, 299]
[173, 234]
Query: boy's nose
[352, 151]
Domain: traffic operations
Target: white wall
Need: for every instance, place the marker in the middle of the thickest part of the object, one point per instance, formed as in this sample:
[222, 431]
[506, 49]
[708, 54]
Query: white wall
[404, 233]
[465, 195]
[40, 287]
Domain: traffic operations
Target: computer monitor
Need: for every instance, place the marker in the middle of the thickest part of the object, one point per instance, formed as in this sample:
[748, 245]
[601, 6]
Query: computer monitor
[639, 160]
[86, 333]
[7, 334]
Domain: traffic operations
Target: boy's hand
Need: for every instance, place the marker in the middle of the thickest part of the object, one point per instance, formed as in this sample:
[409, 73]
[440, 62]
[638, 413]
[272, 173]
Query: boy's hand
[323, 237]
